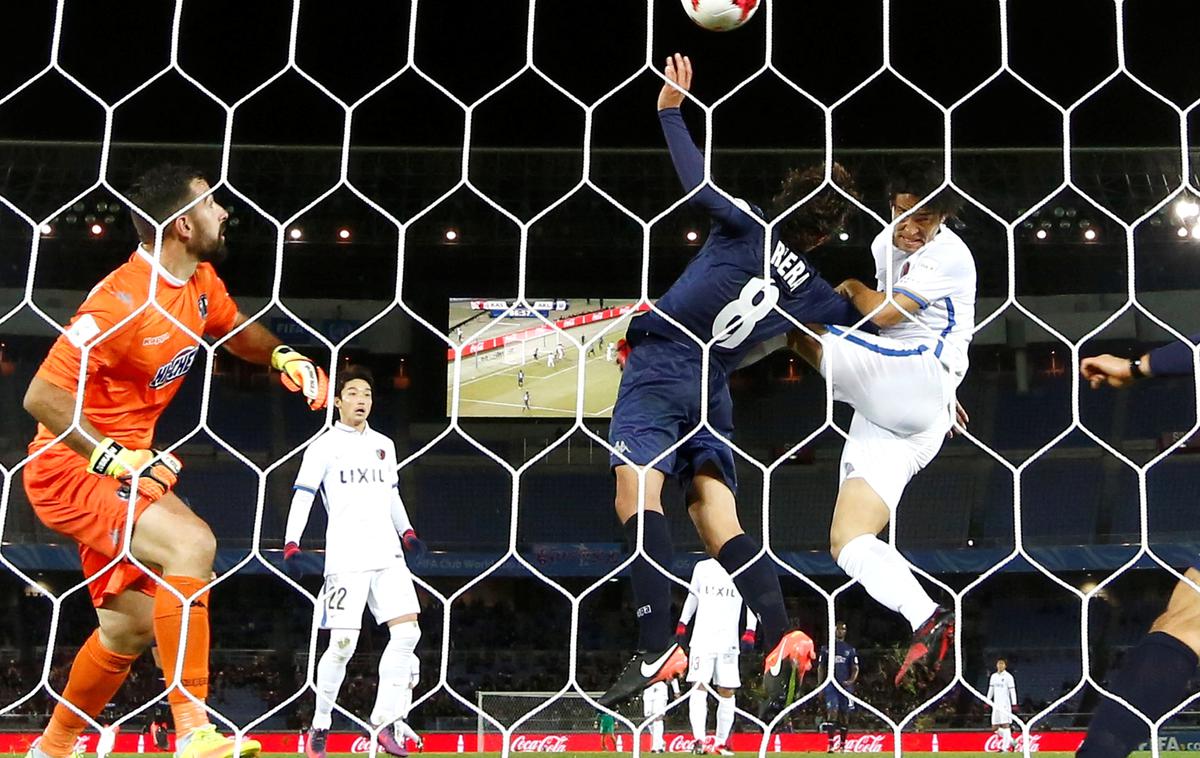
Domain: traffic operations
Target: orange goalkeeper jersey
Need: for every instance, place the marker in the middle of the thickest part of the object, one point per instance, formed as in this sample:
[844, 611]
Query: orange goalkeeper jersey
[133, 373]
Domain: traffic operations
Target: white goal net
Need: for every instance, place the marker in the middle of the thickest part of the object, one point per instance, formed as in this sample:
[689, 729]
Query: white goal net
[1020, 481]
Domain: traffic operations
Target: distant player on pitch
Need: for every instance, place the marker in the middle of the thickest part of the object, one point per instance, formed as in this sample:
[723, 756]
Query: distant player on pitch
[89, 478]
[845, 672]
[1002, 694]
[1156, 673]
[734, 295]
[901, 384]
[654, 705]
[713, 653]
[354, 468]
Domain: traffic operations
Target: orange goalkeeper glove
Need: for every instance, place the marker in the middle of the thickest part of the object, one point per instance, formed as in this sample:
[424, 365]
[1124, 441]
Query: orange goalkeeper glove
[159, 471]
[300, 374]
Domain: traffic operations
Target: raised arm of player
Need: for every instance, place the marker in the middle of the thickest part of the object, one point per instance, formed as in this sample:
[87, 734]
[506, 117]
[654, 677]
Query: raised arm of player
[688, 160]
[256, 344]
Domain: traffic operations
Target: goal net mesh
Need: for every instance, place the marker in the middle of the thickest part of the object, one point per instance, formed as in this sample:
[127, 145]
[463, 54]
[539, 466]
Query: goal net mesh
[513, 713]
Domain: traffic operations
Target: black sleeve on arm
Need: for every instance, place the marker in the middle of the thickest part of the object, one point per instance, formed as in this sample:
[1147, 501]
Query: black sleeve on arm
[689, 165]
[1174, 359]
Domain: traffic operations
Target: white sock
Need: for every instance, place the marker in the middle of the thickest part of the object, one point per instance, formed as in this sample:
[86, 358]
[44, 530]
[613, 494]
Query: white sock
[405, 732]
[887, 577]
[656, 735]
[724, 718]
[331, 670]
[1005, 737]
[698, 712]
[394, 671]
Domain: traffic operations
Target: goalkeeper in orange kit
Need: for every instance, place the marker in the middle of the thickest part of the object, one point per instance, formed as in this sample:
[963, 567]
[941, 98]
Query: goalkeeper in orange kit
[88, 478]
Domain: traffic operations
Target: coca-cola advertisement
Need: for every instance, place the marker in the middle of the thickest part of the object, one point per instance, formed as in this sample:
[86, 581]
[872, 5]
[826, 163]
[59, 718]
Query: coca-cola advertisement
[468, 742]
[550, 743]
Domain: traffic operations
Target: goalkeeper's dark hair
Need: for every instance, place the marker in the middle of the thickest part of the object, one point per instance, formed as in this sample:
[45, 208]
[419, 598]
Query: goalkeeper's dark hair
[160, 193]
[920, 177]
[825, 213]
[350, 373]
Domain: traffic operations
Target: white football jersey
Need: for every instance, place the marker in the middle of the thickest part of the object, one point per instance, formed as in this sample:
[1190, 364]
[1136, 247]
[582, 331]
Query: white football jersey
[940, 277]
[718, 606]
[355, 473]
[1002, 690]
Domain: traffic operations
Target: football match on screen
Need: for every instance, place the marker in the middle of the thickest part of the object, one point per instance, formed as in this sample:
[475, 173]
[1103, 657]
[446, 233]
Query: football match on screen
[753, 378]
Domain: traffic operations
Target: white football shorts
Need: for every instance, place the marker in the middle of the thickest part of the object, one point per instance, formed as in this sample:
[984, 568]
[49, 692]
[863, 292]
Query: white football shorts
[720, 669]
[654, 700]
[389, 592]
[903, 400]
[1001, 714]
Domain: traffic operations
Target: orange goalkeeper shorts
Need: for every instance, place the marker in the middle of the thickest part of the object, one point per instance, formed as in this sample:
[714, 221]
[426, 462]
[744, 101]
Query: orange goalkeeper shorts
[90, 509]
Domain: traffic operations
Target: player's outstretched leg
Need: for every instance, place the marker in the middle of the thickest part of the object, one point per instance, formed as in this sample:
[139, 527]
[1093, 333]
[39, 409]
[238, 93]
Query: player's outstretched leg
[1154, 677]
[859, 515]
[659, 657]
[713, 511]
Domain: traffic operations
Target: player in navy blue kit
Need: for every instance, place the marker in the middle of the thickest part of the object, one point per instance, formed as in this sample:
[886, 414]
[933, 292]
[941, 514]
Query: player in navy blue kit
[732, 298]
[845, 673]
[1155, 674]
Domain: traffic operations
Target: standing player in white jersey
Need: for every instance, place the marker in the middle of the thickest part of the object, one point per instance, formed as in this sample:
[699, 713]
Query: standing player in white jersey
[1002, 694]
[354, 469]
[901, 384]
[713, 654]
[654, 706]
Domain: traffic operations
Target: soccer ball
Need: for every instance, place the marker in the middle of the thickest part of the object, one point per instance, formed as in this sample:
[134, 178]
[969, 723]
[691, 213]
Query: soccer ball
[720, 15]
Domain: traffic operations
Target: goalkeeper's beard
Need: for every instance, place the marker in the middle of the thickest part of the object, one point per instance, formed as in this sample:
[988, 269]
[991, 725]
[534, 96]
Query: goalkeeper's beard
[215, 253]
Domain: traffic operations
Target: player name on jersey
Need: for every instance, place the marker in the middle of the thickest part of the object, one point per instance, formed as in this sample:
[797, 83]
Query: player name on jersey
[792, 269]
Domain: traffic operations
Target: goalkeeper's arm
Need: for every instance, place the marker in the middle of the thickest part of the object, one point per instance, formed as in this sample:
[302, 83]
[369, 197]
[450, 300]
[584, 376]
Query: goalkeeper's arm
[256, 344]
[54, 408]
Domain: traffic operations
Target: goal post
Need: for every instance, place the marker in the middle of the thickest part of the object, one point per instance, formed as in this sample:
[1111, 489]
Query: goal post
[568, 713]
[516, 351]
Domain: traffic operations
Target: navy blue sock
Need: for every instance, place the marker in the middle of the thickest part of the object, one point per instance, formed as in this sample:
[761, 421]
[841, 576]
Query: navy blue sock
[651, 590]
[1154, 680]
[759, 586]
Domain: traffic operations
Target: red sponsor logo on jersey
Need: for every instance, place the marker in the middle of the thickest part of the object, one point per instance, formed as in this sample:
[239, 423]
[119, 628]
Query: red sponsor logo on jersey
[747, 7]
[380, 454]
[550, 743]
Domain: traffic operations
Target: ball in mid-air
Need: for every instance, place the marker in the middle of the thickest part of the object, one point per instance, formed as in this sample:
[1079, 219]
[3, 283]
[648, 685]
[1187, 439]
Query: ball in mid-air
[720, 15]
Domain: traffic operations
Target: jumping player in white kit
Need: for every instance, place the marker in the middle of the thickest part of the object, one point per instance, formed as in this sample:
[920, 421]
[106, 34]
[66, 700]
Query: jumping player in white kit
[713, 653]
[902, 386]
[354, 469]
[1002, 693]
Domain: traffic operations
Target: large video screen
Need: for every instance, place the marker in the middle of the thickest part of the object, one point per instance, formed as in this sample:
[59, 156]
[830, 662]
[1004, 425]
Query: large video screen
[516, 365]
